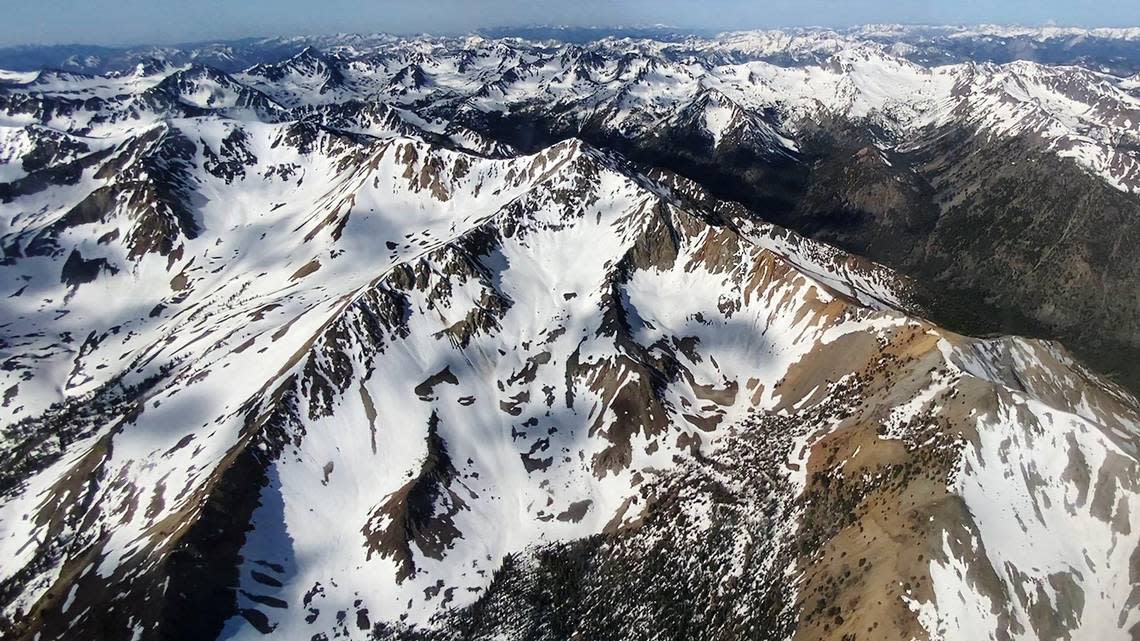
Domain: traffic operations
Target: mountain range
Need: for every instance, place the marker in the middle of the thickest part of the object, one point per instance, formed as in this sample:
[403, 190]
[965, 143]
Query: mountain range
[807, 334]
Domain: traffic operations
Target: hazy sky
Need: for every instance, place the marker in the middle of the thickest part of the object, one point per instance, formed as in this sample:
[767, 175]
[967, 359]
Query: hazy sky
[119, 22]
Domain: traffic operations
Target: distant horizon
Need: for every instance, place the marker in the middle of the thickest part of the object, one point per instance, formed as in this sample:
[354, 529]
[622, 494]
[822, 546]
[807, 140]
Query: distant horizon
[507, 28]
[131, 23]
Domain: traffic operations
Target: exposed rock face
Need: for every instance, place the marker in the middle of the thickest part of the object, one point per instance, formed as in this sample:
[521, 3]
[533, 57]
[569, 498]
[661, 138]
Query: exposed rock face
[291, 363]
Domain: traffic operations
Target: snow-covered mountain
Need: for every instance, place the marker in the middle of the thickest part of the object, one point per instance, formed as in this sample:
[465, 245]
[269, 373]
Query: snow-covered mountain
[455, 338]
[632, 87]
[1116, 50]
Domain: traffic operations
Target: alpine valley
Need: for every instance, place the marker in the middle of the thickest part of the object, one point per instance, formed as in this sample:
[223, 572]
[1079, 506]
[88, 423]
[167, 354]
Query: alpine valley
[807, 335]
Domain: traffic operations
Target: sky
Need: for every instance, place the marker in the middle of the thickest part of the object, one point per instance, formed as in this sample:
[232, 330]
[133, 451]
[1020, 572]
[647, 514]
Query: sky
[129, 22]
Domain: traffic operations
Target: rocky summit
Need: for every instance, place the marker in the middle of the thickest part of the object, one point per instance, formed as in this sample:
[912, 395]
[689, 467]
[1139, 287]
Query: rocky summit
[805, 335]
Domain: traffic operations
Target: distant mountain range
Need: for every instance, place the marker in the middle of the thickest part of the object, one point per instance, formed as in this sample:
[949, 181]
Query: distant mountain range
[573, 334]
[1109, 50]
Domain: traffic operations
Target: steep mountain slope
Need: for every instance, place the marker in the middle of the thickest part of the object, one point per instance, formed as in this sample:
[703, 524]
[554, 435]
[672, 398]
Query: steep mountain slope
[1032, 246]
